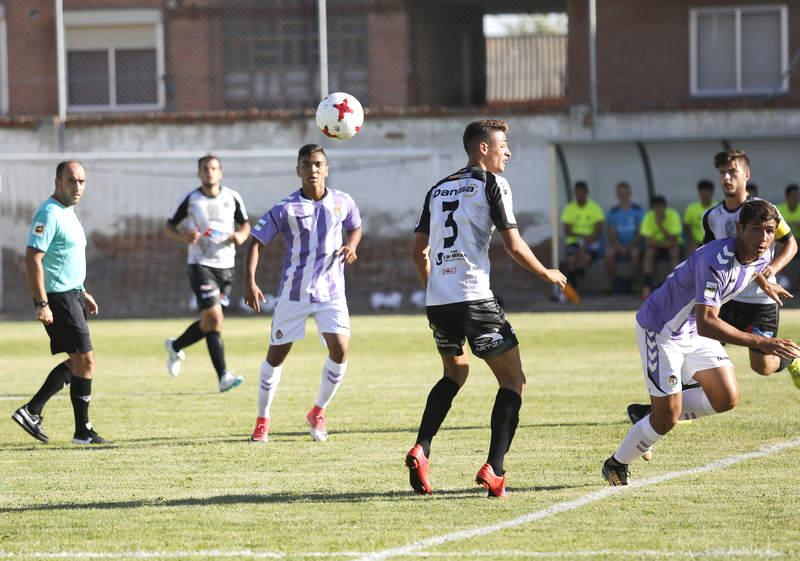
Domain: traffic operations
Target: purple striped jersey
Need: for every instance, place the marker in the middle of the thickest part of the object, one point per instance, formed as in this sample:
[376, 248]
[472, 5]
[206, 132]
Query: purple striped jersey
[711, 276]
[312, 231]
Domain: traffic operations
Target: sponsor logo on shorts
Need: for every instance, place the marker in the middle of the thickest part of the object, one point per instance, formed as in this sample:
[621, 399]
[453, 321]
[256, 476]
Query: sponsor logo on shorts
[340, 326]
[722, 358]
[710, 291]
[757, 331]
[260, 224]
[488, 341]
[279, 334]
[38, 229]
[672, 380]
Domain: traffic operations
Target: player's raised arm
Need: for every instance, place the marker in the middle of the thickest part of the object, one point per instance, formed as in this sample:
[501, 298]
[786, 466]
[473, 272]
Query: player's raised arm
[710, 325]
[522, 254]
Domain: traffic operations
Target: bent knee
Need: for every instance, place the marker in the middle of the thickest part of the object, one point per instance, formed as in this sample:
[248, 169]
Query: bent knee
[725, 403]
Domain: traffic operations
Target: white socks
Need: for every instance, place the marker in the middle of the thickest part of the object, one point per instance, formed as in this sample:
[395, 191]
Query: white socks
[642, 436]
[695, 404]
[332, 375]
[270, 377]
[638, 440]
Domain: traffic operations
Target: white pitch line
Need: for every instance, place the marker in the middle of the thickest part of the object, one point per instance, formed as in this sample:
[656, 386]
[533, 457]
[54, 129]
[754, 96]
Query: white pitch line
[573, 504]
[249, 554]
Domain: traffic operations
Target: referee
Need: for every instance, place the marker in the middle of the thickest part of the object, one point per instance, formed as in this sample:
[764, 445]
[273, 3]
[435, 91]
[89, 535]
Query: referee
[55, 262]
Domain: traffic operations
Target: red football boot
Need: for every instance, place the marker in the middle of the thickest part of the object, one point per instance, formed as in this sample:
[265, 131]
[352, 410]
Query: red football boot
[418, 470]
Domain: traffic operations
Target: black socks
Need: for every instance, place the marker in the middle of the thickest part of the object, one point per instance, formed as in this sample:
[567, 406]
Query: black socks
[440, 399]
[80, 394]
[217, 351]
[56, 380]
[191, 336]
[505, 418]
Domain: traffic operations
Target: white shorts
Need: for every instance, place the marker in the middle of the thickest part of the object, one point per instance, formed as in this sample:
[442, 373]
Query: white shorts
[669, 364]
[289, 319]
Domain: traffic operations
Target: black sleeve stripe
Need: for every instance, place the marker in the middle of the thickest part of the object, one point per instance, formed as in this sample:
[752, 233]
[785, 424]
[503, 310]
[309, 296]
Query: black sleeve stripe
[238, 215]
[497, 210]
[708, 236]
[181, 213]
[424, 223]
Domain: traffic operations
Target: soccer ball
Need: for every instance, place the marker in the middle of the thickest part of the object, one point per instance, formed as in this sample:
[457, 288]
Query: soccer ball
[340, 116]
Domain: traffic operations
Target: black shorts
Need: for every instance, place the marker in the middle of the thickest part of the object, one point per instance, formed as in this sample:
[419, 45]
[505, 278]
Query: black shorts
[481, 323]
[69, 332]
[211, 286]
[761, 319]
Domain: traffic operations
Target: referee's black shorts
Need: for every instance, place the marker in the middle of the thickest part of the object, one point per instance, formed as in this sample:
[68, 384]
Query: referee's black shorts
[69, 332]
[481, 323]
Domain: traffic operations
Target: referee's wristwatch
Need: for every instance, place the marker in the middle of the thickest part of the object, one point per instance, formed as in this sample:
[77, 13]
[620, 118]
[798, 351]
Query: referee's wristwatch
[40, 303]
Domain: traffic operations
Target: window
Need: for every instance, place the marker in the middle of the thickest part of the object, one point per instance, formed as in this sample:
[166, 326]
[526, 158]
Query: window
[271, 52]
[115, 60]
[739, 51]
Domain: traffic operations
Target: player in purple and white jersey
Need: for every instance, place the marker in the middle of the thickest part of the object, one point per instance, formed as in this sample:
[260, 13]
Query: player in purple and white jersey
[679, 333]
[451, 255]
[311, 221]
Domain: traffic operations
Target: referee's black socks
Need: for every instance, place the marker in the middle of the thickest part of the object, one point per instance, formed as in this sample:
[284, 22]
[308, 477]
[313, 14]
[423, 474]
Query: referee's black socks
[439, 401]
[56, 380]
[80, 393]
[505, 418]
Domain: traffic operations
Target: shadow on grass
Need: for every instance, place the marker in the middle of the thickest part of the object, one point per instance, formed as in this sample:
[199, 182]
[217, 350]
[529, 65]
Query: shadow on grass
[156, 441]
[279, 498]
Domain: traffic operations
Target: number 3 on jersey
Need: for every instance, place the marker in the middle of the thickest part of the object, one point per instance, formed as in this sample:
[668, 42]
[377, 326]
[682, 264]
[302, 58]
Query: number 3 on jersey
[450, 207]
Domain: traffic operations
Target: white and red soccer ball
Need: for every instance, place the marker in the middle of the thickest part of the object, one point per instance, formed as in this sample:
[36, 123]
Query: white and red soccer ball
[340, 116]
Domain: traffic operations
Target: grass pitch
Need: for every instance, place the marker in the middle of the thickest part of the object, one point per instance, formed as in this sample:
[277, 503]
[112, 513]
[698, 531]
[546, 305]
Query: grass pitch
[183, 482]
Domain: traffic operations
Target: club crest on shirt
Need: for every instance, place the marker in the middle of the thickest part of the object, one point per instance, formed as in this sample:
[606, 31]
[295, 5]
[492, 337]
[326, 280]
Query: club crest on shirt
[710, 291]
[337, 210]
[38, 229]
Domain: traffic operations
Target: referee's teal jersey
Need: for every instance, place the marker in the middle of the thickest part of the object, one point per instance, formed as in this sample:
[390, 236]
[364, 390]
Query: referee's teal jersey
[58, 233]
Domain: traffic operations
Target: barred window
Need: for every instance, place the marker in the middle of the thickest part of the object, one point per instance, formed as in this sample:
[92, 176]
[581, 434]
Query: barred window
[739, 50]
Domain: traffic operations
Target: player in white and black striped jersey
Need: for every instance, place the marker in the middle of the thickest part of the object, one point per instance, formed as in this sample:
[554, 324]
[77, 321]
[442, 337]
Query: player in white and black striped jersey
[212, 220]
[752, 310]
[451, 248]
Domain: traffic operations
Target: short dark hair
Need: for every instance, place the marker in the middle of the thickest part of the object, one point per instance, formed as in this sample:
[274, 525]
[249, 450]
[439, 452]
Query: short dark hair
[309, 149]
[728, 156]
[208, 157]
[482, 130]
[623, 185]
[581, 185]
[758, 210]
[705, 185]
[791, 188]
[658, 200]
[62, 165]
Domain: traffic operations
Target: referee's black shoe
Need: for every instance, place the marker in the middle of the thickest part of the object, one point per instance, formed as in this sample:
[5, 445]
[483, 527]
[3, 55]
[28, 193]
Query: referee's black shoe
[90, 437]
[31, 423]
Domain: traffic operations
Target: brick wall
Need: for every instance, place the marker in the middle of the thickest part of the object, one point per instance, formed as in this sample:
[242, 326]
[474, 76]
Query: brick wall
[643, 53]
[145, 275]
